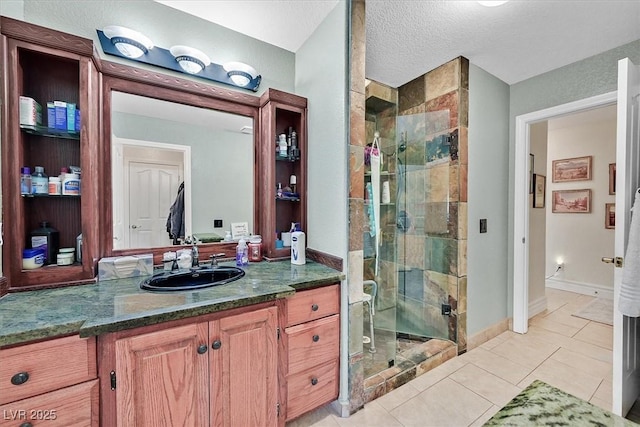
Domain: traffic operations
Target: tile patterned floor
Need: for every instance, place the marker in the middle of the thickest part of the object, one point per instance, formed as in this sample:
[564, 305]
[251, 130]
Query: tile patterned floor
[567, 352]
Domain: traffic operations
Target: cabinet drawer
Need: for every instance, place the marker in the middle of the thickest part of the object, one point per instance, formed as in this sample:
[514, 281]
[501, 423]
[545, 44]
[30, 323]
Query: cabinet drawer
[313, 304]
[34, 369]
[313, 343]
[75, 406]
[311, 389]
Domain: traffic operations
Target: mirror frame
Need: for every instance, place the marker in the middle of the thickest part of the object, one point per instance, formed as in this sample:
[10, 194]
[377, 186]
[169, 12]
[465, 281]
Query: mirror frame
[142, 82]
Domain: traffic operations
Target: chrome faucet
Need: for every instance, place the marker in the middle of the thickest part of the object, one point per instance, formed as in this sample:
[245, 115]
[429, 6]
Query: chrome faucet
[214, 259]
[195, 256]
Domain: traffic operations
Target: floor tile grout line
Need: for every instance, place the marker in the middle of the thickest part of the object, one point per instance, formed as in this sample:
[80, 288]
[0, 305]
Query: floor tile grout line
[474, 392]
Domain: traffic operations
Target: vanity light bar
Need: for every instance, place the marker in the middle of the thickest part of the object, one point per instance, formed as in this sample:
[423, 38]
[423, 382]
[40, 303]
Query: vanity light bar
[183, 59]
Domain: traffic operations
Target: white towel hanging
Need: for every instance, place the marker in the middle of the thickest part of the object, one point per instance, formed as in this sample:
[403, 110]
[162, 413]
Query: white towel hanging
[629, 300]
[376, 164]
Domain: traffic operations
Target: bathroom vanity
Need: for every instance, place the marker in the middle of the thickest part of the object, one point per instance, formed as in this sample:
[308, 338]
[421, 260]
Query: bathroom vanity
[258, 351]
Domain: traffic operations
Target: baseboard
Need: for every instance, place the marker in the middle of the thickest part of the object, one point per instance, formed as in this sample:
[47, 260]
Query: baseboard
[537, 306]
[580, 288]
[486, 334]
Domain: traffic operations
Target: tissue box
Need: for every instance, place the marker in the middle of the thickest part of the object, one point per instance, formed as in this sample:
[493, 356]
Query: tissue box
[125, 267]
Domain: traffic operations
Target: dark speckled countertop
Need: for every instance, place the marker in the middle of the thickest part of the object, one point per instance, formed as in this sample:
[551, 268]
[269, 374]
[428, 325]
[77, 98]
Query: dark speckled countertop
[116, 305]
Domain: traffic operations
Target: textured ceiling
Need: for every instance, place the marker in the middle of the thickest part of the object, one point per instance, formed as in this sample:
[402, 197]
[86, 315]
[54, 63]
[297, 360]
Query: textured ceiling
[407, 38]
[515, 41]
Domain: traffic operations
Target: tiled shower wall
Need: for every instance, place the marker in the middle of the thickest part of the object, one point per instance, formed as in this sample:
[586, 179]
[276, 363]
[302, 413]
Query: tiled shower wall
[441, 256]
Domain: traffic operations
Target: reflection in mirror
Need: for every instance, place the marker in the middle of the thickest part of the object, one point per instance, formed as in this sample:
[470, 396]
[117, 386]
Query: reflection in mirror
[156, 146]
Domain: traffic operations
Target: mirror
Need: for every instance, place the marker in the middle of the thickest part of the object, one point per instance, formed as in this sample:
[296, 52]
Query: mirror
[156, 146]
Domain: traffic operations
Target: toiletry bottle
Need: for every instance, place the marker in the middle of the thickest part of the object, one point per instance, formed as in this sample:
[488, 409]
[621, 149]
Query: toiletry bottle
[298, 243]
[283, 145]
[39, 181]
[242, 253]
[48, 239]
[25, 180]
[279, 190]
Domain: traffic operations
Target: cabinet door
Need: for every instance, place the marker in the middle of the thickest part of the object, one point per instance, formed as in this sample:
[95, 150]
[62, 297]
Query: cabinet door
[162, 378]
[244, 387]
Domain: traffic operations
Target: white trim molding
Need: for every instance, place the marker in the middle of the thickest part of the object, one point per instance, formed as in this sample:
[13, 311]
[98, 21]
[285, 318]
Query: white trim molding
[538, 306]
[581, 288]
[520, 277]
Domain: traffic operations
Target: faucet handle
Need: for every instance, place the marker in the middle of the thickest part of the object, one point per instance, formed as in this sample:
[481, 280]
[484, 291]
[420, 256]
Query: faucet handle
[214, 258]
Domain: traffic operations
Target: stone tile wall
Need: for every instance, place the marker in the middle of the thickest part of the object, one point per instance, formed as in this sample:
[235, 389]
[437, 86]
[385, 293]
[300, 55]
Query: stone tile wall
[435, 240]
[433, 111]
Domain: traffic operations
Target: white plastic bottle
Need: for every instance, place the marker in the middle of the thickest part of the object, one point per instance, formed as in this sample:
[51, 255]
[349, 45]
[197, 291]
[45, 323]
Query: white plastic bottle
[39, 181]
[298, 243]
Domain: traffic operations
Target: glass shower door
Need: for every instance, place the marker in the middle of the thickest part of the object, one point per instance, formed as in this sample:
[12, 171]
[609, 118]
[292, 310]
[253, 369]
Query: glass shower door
[426, 230]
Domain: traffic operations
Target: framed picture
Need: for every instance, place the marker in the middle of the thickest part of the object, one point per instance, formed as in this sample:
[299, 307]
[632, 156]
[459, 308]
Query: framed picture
[612, 178]
[575, 169]
[539, 190]
[609, 215]
[531, 174]
[571, 201]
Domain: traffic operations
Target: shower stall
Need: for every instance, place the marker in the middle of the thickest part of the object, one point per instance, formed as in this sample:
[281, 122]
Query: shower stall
[411, 245]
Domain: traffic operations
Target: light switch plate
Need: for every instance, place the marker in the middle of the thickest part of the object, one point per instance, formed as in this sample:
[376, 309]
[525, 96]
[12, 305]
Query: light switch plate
[483, 225]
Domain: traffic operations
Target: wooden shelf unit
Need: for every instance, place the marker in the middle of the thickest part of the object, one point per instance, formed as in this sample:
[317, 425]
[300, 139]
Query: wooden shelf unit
[47, 65]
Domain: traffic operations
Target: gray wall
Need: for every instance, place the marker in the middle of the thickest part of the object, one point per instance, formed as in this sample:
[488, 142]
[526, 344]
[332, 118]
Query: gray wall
[166, 27]
[12, 9]
[583, 79]
[487, 198]
[321, 76]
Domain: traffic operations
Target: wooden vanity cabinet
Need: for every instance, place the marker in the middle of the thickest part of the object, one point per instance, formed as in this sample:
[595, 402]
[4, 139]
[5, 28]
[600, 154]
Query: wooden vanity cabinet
[310, 350]
[48, 66]
[207, 371]
[50, 383]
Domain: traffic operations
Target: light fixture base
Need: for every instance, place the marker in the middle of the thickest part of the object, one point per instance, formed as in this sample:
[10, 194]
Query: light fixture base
[160, 57]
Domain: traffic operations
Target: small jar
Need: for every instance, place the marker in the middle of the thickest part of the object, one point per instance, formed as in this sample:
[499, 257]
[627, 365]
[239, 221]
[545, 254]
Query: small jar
[255, 248]
[55, 186]
[66, 256]
[32, 258]
[71, 184]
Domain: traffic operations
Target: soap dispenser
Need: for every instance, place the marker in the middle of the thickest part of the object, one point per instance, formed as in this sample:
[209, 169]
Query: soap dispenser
[242, 253]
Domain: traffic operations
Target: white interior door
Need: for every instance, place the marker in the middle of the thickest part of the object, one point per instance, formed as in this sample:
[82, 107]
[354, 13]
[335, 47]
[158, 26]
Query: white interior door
[152, 191]
[626, 362]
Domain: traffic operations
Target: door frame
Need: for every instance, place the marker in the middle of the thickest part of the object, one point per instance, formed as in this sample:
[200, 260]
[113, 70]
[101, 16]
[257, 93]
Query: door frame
[118, 182]
[520, 279]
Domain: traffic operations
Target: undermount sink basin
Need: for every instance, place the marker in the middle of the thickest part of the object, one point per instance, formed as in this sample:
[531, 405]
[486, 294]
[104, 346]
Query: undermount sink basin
[191, 279]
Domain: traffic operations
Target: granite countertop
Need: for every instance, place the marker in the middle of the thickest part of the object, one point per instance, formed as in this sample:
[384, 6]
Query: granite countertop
[543, 405]
[116, 305]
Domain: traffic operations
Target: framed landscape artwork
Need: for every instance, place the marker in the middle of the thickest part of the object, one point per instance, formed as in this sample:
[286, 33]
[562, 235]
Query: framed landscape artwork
[571, 201]
[574, 169]
[539, 190]
[609, 215]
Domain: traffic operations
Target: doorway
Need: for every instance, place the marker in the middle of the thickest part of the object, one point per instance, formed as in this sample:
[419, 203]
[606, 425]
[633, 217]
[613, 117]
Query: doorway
[148, 176]
[521, 236]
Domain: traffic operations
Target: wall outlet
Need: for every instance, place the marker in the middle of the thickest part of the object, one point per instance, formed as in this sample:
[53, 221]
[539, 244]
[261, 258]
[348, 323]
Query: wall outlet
[217, 223]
